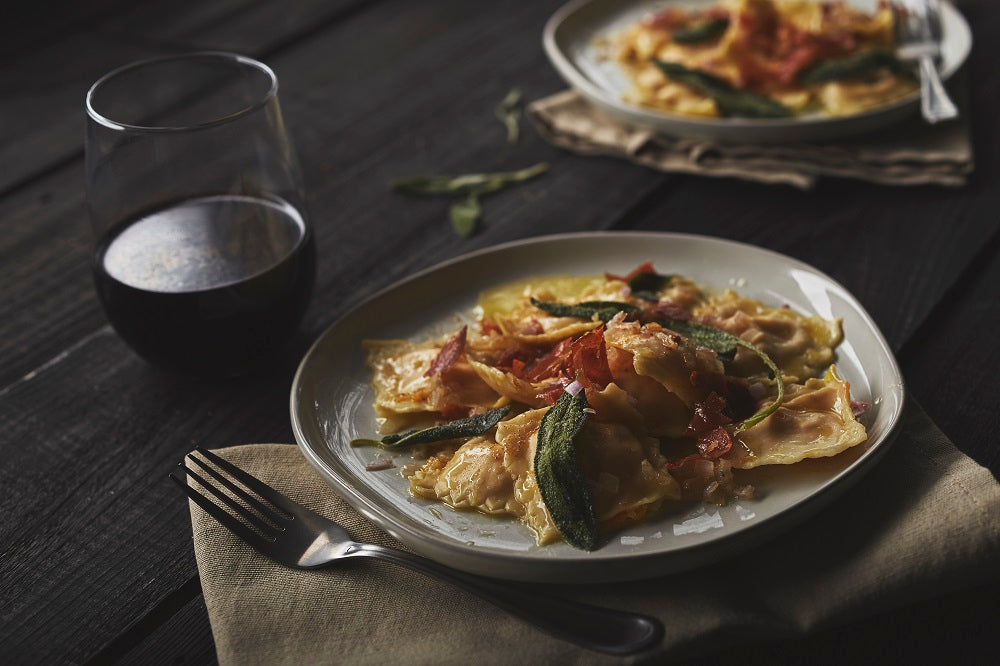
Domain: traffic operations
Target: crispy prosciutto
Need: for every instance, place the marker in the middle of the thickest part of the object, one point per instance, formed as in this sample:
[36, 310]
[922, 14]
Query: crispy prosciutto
[645, 267]
[584, 359]
[771, 51]
[709, 414]
[450, 352]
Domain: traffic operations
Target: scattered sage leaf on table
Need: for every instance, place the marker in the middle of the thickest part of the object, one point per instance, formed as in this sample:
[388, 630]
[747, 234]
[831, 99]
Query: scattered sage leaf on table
[464, 184]
[464, 214]
[467, 427]
[560, 481]
[725, 344]
[508, 111]
[605, 310]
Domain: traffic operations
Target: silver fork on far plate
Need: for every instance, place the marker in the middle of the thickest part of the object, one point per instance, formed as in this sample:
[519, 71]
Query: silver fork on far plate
[918, 37]
[298, 537]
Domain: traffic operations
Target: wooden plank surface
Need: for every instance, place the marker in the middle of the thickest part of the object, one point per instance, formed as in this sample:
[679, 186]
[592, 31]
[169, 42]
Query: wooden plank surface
[90, 431]
[42, 109]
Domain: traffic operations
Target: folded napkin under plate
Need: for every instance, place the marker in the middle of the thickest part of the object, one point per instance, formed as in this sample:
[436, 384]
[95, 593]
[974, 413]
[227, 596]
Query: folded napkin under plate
[912, 153]
[924, 521]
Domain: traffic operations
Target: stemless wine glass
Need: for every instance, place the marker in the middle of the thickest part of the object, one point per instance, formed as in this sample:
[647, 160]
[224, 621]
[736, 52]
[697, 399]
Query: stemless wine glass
[204, 258]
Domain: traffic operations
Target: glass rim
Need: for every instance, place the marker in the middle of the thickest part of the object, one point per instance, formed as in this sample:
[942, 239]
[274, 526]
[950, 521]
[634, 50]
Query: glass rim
[110, 123]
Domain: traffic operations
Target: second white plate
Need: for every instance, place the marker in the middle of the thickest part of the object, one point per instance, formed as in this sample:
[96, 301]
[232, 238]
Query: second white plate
[572, 42]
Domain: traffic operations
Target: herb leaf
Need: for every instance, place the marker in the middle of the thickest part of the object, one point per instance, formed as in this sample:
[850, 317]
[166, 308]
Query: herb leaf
[725, 344]
[560, 481]
[722, 343]
[731, 102]
[856, 65]
[467, 427]
[464, 214]
[605, 310]
[647, 283]
[701, 32]
[479, 183]
[508, 111]
[773, 407]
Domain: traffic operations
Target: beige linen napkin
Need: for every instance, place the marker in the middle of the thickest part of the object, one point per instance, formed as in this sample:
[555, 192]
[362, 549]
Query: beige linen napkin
[912, 153]
[924, 521]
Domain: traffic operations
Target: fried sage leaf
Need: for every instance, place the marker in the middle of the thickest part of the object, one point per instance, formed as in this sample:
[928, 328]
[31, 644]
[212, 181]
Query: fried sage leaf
[560, 481]
[468, 427]
[479, 183]
[854, 66]
[644, 285]
[722, 343]
[464, 214]
[605, 310]
[725, 344]
[731, 102]
[701, 32]
[508, 112]
[773, 407]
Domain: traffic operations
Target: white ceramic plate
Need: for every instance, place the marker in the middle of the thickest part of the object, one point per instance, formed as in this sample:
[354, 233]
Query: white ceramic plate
[331, 404]
[570, 40]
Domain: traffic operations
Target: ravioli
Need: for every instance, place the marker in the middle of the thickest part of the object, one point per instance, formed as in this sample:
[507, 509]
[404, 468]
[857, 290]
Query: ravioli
[509, 385]
[800, 345]
[664, 412]
[663, 356]
[511, 309]
[627, 478]
[814, 421]
[473, 477]
[399, 376]
[406, 392]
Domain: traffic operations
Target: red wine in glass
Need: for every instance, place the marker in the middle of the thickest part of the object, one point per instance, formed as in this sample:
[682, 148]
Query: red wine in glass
[204, 258]
[210, 285]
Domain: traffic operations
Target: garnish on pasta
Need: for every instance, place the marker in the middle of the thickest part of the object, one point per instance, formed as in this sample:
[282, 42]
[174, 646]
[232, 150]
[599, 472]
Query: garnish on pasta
[582, 404]
[764, 59]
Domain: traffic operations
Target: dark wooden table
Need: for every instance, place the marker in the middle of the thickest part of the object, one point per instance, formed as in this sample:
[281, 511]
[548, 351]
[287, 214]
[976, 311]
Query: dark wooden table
[96, 561]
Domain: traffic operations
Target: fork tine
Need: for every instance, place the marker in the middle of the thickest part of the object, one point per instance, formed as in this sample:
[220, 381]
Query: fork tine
[217, 512]
[268, 530]
[254, 503]
[253, 483]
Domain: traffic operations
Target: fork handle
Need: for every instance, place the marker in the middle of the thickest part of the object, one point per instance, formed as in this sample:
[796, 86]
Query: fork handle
[934, 100]
[602, 629]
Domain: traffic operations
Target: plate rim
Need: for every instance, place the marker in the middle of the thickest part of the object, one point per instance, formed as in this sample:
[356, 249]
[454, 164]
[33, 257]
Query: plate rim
[729, 128]
[510, 565]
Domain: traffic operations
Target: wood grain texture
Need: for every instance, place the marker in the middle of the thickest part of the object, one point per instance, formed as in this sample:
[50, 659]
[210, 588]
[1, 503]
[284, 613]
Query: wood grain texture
[42, 109]
[95, 540]
[951, 364]
[87, 504]
[937, 631]
[174, 632]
